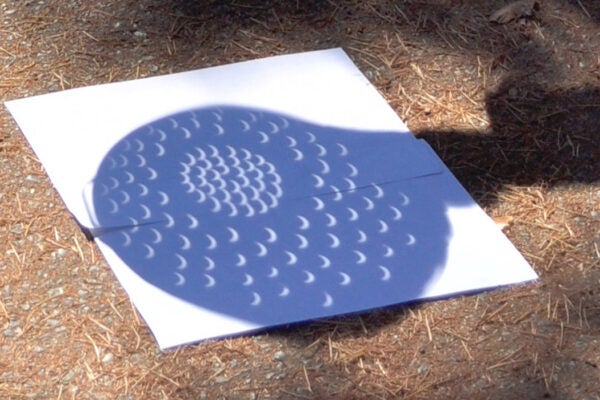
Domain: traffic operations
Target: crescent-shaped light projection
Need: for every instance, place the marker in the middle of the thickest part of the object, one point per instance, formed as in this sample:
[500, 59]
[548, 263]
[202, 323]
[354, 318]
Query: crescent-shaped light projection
[250, 211]
[379, 190]
[140, 145]
[292, 258]
[161, 149]
[284, 291]
[383, 226]
[335, 241]
[310, 277]
[255, 299]
[150, 253]
[249, 280]
[353, 170]
[397, 213]
[272, 238]
[234, 210]
[180, 279]
[186, 132]
[157, 236]
[328, 300]
[201, 195]
[274, 127]
[262, 249]
[405, 199]
[389, 252]
[195, 122]
[304, 223]
[186, 244]
[331, 220]
[217, 205]
[153, 173]
[185, 173]
[322, 151]
[174, 123]
[147, 213]
[325, 167]
[130, 177]
[311, 137]
[362, 236]
[127, 239]
[210, 281]
[343, 149]
[351, 185]
[235, 236]
[212, 242]
[124, 161]
[220, 129]
[274, 272]
[164, 198]
[370, 205]
[362, 258]
[113, 162]
[303, 241]
[245, 125]
[353, 214]
[183, 264]
[170, 220]
[411, 240]
[114, 206]
[201, 153]
[191, 162]
[264, 138]
[319, 182]
[299, 156]
[345, 279]
[284, 123]
[247, 154]
[241, 260]
[115, 183]
[338, 194]
[104, 189]
[126, 147]
[326, 261]
[193, 221]
[135, 225]
[263, 206]
[162, 135]
[232, 152]
[245, 180]
[386, 273]
[293, 142]
[142, 160]
[215, 151]
[218, 115]
[210, 264]
[144, 188]
[320, 205]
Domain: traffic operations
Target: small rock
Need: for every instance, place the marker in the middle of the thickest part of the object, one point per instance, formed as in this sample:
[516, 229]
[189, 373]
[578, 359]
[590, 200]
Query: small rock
[423, 368]
[108, 357]
[52, 323]
[279, 356]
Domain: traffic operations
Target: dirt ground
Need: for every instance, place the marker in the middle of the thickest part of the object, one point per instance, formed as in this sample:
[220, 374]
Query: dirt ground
[512, 108]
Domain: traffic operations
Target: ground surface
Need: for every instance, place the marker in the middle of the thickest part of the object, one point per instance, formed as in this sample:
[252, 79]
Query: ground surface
[513, 109]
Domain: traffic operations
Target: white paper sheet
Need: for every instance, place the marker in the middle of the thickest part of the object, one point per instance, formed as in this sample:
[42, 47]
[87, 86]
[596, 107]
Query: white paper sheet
[76, 134]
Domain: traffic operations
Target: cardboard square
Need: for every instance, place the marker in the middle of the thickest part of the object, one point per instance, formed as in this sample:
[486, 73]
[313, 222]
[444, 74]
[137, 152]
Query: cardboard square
[262, 193]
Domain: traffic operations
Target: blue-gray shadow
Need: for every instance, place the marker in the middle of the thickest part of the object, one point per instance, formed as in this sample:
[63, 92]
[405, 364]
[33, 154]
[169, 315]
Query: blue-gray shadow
[271, 219]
